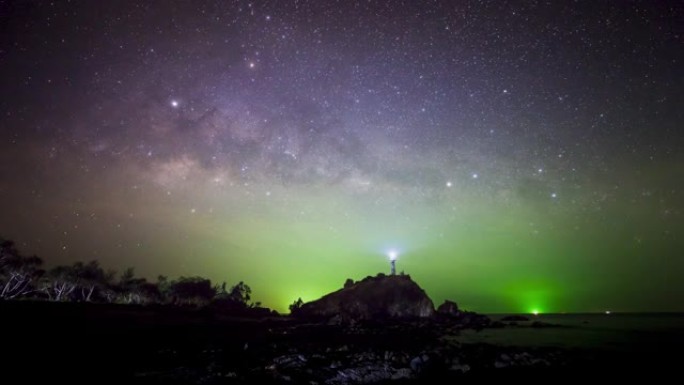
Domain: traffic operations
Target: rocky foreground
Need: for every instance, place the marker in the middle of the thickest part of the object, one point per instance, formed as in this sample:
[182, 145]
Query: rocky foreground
[362, 353]
[381, 329]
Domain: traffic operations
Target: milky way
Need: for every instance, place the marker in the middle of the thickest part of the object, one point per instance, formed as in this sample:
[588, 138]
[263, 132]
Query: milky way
[517, 155]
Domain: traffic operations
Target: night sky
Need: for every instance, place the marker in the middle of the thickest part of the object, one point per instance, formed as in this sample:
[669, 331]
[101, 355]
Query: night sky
[519, 156]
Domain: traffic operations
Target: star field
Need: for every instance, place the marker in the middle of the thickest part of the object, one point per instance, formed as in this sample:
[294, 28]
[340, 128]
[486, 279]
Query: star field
[519, 155]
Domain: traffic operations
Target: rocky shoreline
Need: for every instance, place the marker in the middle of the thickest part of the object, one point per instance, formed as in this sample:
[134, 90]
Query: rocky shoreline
[362, 353]
[123, 344]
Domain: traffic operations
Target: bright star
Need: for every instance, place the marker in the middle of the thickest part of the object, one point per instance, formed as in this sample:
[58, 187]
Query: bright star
[475, 176]
[554, 195]
[449, 184]
[174, 103]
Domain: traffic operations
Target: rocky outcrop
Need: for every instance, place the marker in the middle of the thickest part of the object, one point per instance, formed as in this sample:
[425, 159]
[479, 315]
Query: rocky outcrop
[450, 313]
[373, 298]
[448, 308]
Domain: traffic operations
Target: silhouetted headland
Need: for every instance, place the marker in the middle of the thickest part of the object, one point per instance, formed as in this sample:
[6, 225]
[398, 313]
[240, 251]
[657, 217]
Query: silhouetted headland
[373, 298]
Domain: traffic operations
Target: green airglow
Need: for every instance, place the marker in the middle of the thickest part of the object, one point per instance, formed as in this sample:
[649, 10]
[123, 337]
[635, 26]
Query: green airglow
[515, 254]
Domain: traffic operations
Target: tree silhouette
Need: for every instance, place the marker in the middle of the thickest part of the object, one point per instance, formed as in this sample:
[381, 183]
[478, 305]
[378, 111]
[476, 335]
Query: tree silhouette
[296, 305]
[21, 277]
[241, 293]
[18, 274]
[191, 290]
[134, 290]
[90, 277]
[59, 283]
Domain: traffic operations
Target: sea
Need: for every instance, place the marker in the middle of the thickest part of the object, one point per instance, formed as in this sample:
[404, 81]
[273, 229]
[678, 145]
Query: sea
[639, 332]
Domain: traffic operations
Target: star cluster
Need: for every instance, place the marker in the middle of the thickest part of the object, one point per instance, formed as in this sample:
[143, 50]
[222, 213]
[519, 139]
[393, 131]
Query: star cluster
[520, 154]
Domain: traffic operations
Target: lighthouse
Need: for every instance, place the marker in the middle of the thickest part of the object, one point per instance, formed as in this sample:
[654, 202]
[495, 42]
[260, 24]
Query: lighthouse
[393, 260]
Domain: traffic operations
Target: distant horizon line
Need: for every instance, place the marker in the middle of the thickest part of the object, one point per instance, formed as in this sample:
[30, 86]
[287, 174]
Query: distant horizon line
[681, 312]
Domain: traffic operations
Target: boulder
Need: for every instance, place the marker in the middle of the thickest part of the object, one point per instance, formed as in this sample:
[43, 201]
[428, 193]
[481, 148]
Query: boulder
[448, 308]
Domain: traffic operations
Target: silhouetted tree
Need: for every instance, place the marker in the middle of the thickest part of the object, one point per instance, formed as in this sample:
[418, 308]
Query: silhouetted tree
[109, 291]
[89, 282]
[296, 305]
[348, 283]
[148, 292]
[134, 290]
[164, 287]
[191, 290]
[90, 277]
[221, 292]
[241, 293]
[236, 300]
[18, 274]
[59, 283]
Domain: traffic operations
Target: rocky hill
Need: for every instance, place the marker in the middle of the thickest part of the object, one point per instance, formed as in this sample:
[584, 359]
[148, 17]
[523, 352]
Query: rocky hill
[380, 297]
